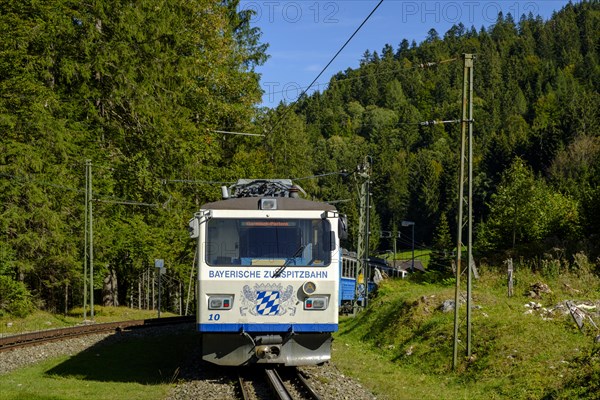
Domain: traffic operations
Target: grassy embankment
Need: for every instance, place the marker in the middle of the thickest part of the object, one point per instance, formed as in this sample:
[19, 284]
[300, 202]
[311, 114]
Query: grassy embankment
[402, 346]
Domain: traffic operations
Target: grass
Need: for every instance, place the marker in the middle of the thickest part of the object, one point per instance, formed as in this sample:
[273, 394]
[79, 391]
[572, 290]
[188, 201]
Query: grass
[143, 368]
[402, 346]
[41, 320]
[424, 255]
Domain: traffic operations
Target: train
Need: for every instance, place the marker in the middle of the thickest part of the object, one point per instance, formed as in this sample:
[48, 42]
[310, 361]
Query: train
[268, 275]
[352, 293]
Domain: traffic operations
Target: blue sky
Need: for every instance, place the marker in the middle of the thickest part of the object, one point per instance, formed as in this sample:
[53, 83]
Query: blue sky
[303, 35]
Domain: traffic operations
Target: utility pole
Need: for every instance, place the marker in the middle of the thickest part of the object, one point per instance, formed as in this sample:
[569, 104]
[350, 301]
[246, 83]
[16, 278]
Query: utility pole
[160, 265]
[396, 235]
[362, 248]
[85, 245]
[466, 157]
[88, 257]
[91, 240]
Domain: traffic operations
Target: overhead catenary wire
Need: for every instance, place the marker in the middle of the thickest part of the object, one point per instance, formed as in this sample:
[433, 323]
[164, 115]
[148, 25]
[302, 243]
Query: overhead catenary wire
[355, 78]
[362, 124]
[239, 133]
[305, 89]
[39, 182]
[343, 172]
[119, 201]
[203, 182]
[195, 181]
[125, 202]
[109, 199]
[328, 64]
[393, 125]
[429, 123]
[436, 122]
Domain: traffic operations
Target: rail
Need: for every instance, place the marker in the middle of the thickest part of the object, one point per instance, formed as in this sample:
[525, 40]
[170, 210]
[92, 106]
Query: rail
[243, 388]
[277, 385]
[32, 338]
[306, 387]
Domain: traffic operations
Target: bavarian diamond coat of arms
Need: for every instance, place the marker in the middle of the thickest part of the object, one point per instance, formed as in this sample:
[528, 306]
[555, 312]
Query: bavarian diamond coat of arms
[268, 300]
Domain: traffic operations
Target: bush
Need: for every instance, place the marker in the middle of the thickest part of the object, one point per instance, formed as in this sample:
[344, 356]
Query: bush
[15, 299]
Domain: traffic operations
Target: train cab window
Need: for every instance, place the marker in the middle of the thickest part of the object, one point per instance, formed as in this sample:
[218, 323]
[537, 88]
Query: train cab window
[268, 242]
[273, 242]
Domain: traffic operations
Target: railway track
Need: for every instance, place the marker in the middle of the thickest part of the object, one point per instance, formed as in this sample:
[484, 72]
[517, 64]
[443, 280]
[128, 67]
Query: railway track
[294, 385]
[33, 338]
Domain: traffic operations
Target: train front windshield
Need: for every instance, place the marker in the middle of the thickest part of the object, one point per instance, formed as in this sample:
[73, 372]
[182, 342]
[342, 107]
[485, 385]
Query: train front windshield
[268, 242]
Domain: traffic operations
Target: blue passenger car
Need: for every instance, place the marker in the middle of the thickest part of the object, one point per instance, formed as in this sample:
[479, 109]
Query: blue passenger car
[348, 288]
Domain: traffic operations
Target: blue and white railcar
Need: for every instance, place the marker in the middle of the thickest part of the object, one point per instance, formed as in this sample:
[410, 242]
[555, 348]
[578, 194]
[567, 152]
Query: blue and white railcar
[268, 276]
[348, 279]
[349, 292]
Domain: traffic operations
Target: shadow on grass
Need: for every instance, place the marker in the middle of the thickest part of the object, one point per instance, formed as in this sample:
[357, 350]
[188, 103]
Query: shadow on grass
[132, 357]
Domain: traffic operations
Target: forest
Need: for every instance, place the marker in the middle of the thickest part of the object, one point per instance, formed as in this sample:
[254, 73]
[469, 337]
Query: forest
[145, 89]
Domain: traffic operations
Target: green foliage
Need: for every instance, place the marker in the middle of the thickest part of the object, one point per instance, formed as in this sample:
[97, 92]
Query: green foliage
[288, 145]
[585, 380]
[15, 299]
[138, 88]
[442, 247]
[525, 211]
[442, 238]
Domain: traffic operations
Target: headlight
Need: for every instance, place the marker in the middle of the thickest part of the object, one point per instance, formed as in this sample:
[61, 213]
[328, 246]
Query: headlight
[309, 288]
[315, 303]
[268, 204]
[220, 302]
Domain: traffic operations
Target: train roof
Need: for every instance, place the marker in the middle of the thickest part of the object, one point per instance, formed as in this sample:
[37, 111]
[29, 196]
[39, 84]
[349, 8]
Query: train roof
[253, 203]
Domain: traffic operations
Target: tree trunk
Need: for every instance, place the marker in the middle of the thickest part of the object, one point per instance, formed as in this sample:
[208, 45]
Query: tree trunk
[109, 289]
[66, 298]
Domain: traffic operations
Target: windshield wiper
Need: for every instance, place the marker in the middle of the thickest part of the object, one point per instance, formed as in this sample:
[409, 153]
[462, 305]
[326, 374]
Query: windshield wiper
[287, 262]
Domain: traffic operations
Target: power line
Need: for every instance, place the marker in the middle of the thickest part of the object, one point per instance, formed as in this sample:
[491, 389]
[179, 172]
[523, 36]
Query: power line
[195, 182]
[240, 133]
[328, 64]
[27, 180]
[427, 123]
[125, 202]
[110, 200]
[201, 182]
[388, 72]
[392, 126]
[337, 201]
[305, 89]
[395, 70]
[343, 172]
